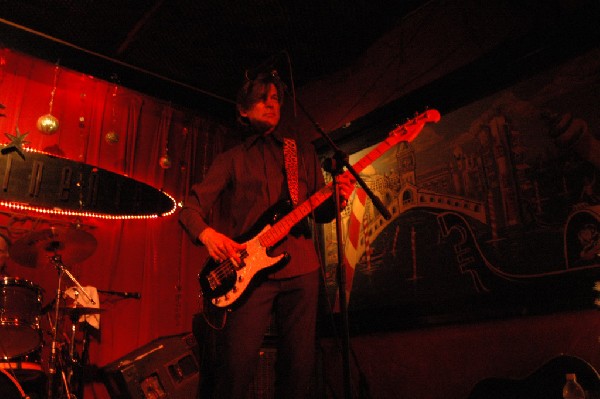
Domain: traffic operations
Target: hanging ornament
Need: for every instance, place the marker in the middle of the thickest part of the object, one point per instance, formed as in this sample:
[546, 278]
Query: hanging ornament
[165, 162]
[183, 166]
[112, 137]
[2, 64]
[82, 98]
[48, 123]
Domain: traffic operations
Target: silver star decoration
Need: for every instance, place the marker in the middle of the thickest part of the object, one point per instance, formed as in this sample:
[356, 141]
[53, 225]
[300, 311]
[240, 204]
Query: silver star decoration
[16, 143]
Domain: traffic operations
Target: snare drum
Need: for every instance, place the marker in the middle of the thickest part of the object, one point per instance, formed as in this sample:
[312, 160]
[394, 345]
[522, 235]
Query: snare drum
[9, 387]
[20, 314]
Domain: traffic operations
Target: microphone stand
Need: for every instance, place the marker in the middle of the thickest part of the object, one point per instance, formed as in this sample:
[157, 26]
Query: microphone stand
[337, 164]
[56, 260]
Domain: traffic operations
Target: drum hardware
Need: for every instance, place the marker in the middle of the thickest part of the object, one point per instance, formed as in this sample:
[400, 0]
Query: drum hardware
[20, 314]
[71, 368]
[24, 368]
[62, 269]
[20, 337]
[71, 363]
[63, 366]
[10, 387]
[73, 244]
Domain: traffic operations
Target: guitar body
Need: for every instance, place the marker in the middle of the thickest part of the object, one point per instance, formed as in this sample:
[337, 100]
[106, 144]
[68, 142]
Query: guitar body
[225, 282]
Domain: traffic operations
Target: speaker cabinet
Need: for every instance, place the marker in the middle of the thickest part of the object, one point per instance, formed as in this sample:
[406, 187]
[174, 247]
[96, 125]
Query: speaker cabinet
[263, 385]
[167, 367]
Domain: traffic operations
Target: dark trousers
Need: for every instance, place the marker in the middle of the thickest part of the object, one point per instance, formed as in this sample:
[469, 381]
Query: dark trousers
[235, 349]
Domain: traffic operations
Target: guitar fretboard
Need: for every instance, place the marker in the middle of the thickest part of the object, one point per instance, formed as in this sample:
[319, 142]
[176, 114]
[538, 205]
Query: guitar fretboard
[405, 132]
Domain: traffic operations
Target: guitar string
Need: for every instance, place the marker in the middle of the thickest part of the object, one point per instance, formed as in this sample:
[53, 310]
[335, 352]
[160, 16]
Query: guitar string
[227, 266]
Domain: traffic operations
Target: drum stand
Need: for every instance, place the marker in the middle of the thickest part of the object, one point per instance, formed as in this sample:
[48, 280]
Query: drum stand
[58, 363]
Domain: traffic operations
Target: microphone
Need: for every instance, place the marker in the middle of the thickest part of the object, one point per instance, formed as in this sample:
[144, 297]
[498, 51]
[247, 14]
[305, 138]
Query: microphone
[134, 295]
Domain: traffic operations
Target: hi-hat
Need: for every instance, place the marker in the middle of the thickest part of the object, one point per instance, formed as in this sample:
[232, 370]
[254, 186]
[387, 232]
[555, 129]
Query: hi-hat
[72, 244]
[80, 311]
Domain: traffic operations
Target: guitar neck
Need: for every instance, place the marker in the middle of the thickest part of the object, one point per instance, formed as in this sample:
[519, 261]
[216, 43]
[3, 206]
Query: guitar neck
[281, 229]
[406, 132]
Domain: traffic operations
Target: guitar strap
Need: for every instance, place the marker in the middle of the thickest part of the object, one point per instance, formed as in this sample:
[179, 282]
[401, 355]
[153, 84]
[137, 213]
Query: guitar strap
[290, 156]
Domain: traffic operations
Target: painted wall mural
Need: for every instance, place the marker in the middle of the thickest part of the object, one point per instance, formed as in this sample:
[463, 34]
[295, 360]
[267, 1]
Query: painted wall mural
[494, 209]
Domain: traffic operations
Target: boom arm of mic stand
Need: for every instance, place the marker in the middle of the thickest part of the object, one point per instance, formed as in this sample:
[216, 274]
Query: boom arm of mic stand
[122, 294]
[56, 259]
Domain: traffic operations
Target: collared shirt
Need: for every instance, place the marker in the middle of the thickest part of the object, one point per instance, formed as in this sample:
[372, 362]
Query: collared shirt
[243, 183]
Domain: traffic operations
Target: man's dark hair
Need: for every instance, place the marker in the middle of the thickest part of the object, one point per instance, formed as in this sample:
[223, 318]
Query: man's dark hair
[255, 90]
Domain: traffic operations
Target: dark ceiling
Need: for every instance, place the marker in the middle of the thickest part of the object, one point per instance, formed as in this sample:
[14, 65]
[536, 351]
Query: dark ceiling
[195, 52]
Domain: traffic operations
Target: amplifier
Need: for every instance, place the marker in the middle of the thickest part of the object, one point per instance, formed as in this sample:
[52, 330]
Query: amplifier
[167, 367]
[263, 386]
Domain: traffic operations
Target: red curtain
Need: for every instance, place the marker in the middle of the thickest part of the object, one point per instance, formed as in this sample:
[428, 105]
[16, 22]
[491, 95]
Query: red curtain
[106, 125]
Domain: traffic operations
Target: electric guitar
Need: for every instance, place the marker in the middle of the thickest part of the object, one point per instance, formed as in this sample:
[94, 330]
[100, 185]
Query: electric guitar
[225, 282]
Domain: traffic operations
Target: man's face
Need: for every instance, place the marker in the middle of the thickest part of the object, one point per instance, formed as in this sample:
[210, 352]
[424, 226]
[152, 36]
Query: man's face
[264, 113]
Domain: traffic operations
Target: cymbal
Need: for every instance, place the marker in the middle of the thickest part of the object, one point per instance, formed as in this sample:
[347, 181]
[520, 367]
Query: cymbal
[72, 244]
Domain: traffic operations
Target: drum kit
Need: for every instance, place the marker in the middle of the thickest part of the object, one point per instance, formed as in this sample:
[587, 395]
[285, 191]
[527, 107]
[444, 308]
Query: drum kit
[22, 337]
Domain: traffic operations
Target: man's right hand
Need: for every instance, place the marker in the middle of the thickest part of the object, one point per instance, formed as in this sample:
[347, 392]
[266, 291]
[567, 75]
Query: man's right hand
[220, 247]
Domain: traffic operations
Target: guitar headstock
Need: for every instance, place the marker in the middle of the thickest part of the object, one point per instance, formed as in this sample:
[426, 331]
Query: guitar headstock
[411, 128]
